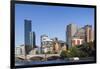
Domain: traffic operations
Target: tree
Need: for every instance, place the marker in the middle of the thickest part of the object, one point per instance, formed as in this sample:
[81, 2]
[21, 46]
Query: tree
[87, 48]
[84, 50]
[73, 52]
[63, 54]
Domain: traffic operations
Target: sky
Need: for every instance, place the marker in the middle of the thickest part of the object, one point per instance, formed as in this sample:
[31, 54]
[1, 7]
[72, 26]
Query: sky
[49, 20]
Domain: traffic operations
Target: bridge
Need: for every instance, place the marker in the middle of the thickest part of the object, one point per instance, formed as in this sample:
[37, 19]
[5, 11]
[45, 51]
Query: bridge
[37, 55]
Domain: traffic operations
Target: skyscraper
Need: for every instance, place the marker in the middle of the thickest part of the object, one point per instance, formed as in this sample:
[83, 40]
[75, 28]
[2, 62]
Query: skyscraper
[32, 39]
[27, 30]
[70, 32]
[88, 33]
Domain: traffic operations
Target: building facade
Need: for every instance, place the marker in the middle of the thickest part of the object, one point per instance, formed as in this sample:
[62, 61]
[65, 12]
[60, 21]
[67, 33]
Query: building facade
[20, 50]
[80, 34]
[29, 36]
[46, 44]
[58, 46]
[32, 40]
[77, 36]
[63, 46]
[70, 32]
[88, 33]
[77, 41]
[27, 30]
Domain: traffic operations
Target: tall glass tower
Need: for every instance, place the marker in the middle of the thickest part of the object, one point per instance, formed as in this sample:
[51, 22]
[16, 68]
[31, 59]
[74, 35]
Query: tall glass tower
[27, 30]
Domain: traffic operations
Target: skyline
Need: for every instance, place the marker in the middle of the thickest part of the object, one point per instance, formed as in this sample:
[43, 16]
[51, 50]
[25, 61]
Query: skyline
[48, 19]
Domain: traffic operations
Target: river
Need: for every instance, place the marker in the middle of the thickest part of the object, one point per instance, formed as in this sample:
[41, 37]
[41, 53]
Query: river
[23, 62]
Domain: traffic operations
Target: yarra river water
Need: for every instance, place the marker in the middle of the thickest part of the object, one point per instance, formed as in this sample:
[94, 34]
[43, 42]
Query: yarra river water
[23, 62]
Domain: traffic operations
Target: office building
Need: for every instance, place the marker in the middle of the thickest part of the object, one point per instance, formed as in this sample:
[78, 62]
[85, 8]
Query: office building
[70, 32]
[43, 37]
[46, 43]
[27, 30]
[32, 40]
[88, 33]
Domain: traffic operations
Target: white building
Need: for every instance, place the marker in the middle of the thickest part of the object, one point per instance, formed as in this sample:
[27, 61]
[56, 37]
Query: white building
[20, 50]
[46, 43]
[17, 50]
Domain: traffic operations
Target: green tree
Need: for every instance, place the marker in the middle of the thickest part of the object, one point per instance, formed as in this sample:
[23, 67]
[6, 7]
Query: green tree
[87, 48]
[84, 50]
[73, 52]
[63, 54]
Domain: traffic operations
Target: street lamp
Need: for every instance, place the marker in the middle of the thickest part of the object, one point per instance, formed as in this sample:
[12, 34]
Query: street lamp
[45, 51]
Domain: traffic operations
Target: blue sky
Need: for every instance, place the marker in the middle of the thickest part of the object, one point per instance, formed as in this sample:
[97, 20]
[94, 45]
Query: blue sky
[50, 20]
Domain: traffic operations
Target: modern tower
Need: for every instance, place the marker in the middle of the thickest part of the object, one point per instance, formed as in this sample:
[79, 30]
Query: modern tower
[27, 30]
[32, 39]
[70, 32]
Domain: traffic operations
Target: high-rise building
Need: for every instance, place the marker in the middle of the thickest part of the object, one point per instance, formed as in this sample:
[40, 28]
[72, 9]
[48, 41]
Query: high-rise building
[88, 33]
[27, 30]
[70, 32]
[32, 39]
